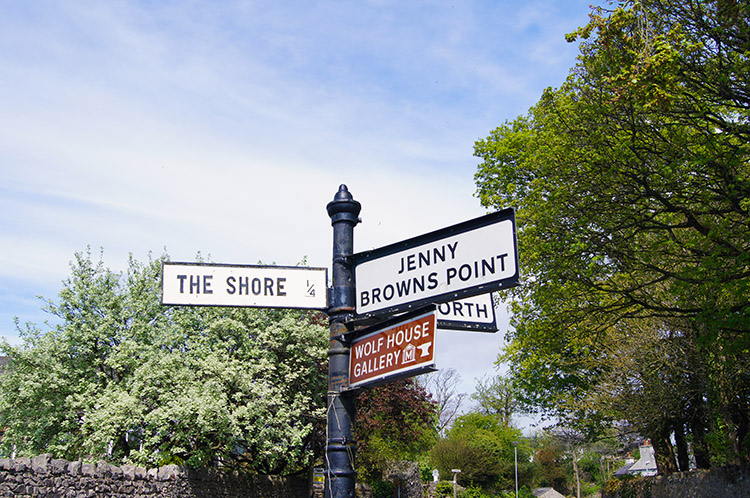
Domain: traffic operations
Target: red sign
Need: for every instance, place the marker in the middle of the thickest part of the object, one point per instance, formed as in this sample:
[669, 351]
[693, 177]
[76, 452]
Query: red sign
[403, 349]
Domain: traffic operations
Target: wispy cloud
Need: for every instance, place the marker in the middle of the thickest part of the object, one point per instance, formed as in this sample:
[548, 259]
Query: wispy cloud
[225, 127]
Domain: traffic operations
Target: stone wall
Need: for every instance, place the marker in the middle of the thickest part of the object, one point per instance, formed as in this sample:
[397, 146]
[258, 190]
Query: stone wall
[43, 476]
[722, 482]
[405, 478]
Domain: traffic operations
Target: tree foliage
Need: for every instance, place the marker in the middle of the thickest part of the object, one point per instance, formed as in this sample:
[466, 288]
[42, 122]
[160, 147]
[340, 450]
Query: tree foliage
[498, 396]
[551, 465]
[482, 449]
[126, 379]
[632, 185]
[394, 421]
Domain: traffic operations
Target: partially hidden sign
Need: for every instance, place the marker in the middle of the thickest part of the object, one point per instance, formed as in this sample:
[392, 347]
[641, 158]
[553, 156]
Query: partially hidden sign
[208, 284]
[464, 260]
[476, 313]
[398, 348]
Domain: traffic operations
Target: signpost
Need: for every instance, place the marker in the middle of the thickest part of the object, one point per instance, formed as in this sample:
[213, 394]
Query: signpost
[438, 280]
[202, 284]
[468, 259]
[401, 347]
[340, 445]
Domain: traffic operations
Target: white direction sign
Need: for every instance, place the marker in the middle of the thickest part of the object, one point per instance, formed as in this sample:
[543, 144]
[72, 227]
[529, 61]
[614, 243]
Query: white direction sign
[201, 284]
[468, 259]
[475, 313]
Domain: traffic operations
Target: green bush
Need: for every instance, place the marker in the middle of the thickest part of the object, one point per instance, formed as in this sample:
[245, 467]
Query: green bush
[523, 492]
[425, 467]
[444, 488]
[382, 489]
[473, 492]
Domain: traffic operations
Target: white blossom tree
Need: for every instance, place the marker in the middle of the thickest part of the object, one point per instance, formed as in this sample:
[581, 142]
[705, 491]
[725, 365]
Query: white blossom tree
[125, 379]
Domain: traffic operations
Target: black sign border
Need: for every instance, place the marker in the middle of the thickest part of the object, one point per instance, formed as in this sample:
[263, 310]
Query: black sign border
[467, 325]
[507, 214]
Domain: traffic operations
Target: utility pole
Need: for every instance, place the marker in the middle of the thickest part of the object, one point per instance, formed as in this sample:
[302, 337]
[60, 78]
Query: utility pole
[515, 459]
[340, 447]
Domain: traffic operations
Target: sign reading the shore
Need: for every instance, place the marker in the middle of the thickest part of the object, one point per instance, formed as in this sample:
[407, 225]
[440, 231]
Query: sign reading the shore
[473, 313]
[202, 284]
[468, 259]
[397, 348]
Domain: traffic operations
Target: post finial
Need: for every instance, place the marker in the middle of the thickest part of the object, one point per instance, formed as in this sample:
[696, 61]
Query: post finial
[343, 207]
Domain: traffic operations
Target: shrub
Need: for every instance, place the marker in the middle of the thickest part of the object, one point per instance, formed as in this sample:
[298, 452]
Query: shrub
[382, 489]
[444, 488]
[473, 492]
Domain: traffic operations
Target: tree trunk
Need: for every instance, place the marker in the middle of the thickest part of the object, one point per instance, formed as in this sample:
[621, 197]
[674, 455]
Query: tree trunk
[664, 453]
[697, 422]
[700, 448]
[731, 429]
[743, 426]
[723, 372]
[683, 458]
[578, 477]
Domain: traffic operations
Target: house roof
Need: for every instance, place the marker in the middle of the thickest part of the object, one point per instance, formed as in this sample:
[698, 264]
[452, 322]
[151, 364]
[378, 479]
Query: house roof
[645, 465]
[624, 469]
[547, 493]
[647, 462]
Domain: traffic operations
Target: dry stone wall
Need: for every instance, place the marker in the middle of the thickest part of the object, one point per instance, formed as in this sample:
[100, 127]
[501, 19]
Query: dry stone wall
[730, 482]
[45, 477]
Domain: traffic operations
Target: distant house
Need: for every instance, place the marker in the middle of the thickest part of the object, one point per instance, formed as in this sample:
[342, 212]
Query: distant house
[644, 466]
[547, 493]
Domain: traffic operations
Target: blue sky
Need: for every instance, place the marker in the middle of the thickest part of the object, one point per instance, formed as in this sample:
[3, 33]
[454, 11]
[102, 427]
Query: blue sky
[226, 126]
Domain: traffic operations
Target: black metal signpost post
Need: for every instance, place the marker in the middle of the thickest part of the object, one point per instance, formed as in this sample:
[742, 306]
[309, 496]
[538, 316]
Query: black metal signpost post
[340, 448]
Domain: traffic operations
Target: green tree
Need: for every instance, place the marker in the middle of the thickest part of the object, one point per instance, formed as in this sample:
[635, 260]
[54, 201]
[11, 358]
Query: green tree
[632, 186]
[498, 396]
[394, 421]
[566, 462]
[482, 448]
[550, 463]
[126, 379]
[655, 378]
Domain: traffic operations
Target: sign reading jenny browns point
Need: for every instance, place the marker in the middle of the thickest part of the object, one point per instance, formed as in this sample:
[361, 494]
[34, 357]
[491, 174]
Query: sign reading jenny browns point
[474, 257]
[395, 349]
